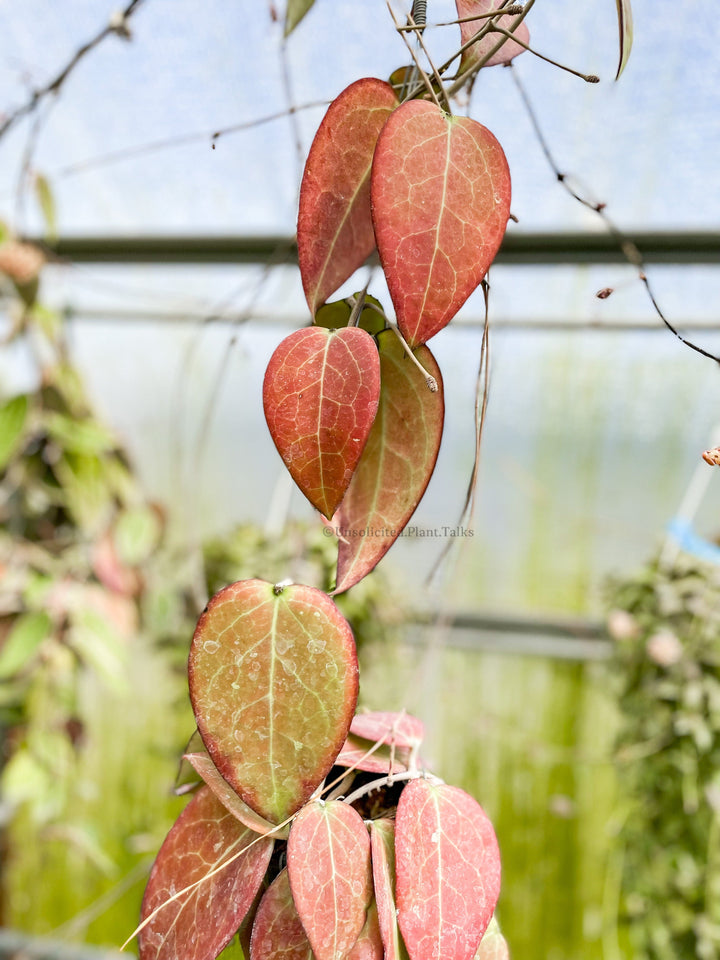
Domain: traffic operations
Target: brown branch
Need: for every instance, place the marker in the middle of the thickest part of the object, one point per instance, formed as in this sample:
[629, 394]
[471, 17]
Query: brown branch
[117, 25]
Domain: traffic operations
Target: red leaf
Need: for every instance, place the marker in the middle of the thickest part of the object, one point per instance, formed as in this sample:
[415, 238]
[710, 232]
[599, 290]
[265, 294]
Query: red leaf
[273, 682]
[448, 871]
[335, 233]
[402, 729]
[320, 397]
[277, 931]
[369, 945]
[328, 858]
[507, 52]
[382, 842]
[397, 463]
[203, 765]
[198, 925]
[440, 202]
[355, 752]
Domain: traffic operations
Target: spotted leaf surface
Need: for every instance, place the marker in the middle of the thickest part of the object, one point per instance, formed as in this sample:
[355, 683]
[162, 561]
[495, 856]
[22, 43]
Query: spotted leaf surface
[328, 858]
[335, 232]
[448, 871]
[277, 932]
[320, 396]
[480, 49]
[396, 465]
[198, 925]
[205, 768]
[273, 683]
[382, 844]
[440, 201]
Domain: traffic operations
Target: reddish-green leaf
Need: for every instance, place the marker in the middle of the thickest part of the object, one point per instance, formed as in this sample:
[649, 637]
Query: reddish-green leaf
[198, 925]
[448, 871]
[382, 843]
[277, 931]
[397, 463]
[440, 202]
[625, 27]
[335, 232]
[400, 729]
[356, 753]
[480, 49]
[203, 765]
[328, 858]
[369, 945]
[493, 945]
[273, 682]
[320, 397]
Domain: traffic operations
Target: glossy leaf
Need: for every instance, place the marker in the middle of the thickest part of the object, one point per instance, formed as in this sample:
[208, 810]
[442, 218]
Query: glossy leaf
[198, 925]
[335, 231]
[206, 769]
[296, 10]
[625, 28]
[320, 396]
[493, 945]
[440, 202]
[396, 465]
[382, 844]
[328, 858]
[401, 729]
[273, 682]
[369, 945]
[277, 931]
[507, 52]
[448, 871]
[13, 416]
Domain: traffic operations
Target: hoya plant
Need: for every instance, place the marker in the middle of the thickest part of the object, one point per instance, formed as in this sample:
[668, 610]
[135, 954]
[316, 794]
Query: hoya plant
[316, 831]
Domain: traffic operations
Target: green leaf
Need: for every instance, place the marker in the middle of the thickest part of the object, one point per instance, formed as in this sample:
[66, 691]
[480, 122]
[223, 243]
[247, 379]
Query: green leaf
[296, 10]
[12, 423]
[46, 201]
[136, 535]
[337, 314]
[625, 27]
[22, 643]
[79, 436]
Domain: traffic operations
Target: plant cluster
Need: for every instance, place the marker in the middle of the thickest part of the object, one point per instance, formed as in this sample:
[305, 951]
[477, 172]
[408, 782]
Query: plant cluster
[666, 626]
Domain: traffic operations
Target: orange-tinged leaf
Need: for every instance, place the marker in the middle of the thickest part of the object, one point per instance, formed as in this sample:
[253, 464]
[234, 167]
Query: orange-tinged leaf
[198, 925]
[273, 683]
[625, 28]
[205, 768]
[507, 52]
[277, 931]
[320, 397]
[328, 859]
[335, 232]
[382, 845]
[448, 871]
[440, 201]
[396, 465]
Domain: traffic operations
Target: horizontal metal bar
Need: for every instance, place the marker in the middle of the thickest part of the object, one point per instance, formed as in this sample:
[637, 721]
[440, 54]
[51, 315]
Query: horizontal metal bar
[518, 248]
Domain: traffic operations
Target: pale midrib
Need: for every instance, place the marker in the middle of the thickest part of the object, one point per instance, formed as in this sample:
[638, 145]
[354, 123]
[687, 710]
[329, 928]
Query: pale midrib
[320, 414]
[271, 699]
[437, 228]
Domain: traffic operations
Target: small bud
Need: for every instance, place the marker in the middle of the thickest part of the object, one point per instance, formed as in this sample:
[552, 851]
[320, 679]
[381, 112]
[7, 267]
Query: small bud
[604, 293]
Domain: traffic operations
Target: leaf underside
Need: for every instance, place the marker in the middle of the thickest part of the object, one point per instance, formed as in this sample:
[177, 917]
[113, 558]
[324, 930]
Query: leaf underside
[320, 397]
[625, 28]
[356, 753]
[382, 844]
[277, 930]
[448, 871]
[205, 768]
[335, 233]
[198, 925]
[401, 729]
[273, 682]
[493, 945]
[440, 201]
[507, 52]
[396, 465]
[328, 858]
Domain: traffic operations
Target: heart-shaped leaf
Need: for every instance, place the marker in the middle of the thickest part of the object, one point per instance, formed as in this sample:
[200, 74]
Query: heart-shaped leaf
[448, 871]
[382, 845]
[273, 682]
[328, 858]
[320, 396]
[369, 945]
[199, 924]
[277, 931]
[440, 191]
[205, 768]
[480, 49]
[335, 233]
[396, 465]
[625, 27]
